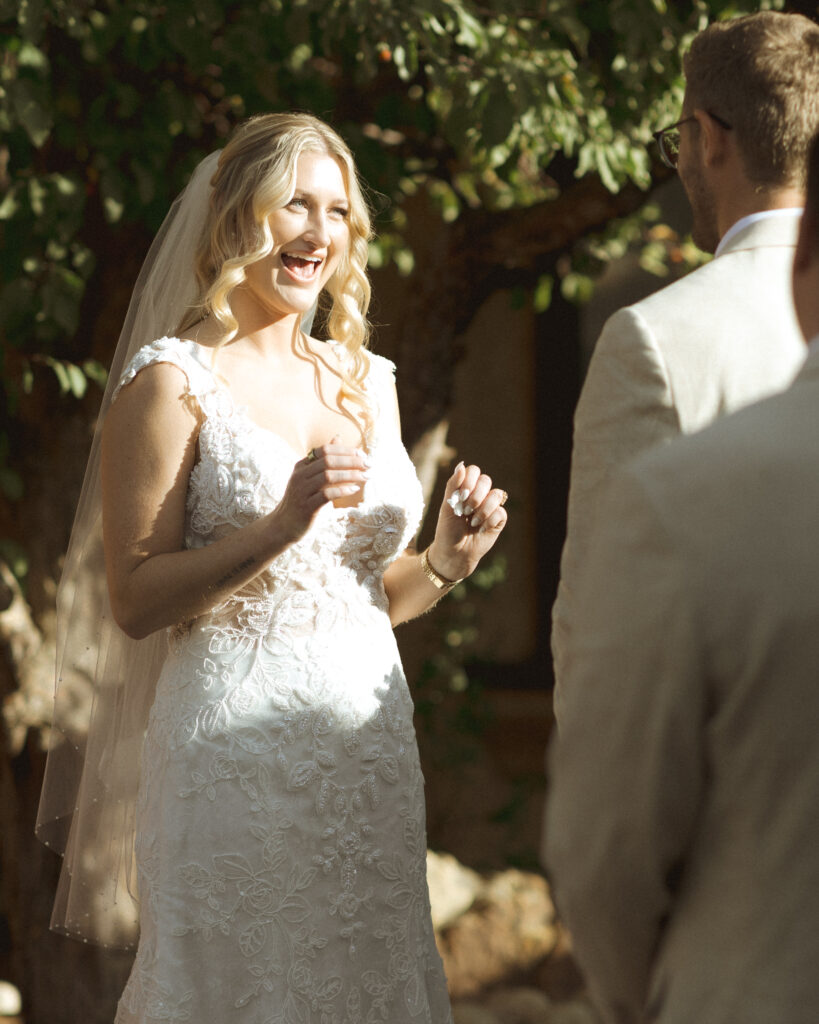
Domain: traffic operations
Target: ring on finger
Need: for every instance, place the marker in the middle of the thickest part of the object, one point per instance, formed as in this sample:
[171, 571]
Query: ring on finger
[311, 456]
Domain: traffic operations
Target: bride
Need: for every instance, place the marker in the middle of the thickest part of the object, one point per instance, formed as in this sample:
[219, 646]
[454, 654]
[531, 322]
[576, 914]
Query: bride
[251, 753]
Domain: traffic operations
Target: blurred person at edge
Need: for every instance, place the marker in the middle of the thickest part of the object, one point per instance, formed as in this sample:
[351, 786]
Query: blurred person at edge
[682, 831]
[726, 334]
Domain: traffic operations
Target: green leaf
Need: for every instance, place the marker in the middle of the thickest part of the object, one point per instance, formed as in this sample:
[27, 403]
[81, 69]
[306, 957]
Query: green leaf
[95, 371]
[577, 288]
[60, 372]
[10, 204]
[542, 297]
[32, 109]
[62, 293]
[471, 32]
[77, 381]
[31, 57]
[498, 117]
[11, 483]
[112, 193]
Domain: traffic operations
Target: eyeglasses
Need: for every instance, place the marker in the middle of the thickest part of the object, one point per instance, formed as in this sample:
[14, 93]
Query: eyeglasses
[668, 139]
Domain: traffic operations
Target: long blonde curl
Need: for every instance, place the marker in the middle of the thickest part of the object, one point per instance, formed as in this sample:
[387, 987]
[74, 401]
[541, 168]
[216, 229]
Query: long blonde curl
[256, 175]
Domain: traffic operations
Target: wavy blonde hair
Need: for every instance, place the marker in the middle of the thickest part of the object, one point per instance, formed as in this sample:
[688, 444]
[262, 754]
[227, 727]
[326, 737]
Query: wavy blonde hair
[256, 175]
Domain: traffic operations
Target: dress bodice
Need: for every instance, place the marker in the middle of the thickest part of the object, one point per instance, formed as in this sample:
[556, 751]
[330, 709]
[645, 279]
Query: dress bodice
[241, 474]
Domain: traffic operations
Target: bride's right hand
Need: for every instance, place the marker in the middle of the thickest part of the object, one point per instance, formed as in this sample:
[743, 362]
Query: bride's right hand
[326, 473]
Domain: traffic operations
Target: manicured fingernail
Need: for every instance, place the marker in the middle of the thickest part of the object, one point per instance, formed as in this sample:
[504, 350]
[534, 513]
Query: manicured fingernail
[468, 510]
[475, 520]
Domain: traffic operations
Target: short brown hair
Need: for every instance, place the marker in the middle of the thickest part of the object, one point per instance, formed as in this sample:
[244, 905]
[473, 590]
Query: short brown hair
[760, 73]
[812, 197]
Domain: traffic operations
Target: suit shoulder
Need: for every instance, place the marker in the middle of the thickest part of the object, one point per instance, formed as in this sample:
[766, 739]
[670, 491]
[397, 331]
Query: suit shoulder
[730, 450]
[713, 277]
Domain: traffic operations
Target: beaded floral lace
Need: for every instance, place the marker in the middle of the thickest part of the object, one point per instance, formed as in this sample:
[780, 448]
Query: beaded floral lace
[280, 824]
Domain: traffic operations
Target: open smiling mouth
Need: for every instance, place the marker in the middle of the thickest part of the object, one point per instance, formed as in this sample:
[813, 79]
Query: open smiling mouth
[304, 268]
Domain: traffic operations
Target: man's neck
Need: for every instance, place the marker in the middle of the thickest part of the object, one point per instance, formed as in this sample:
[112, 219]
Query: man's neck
[743, 202]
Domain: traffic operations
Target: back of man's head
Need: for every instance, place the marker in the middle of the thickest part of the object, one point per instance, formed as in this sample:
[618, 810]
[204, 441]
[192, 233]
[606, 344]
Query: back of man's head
[760, 74]
[812, 196]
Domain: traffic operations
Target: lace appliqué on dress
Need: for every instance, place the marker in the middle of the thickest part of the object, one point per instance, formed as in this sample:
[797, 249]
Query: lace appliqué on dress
[281, 837]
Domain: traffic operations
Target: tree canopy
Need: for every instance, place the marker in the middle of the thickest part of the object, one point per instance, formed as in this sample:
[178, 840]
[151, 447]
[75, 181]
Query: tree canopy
[490, 107]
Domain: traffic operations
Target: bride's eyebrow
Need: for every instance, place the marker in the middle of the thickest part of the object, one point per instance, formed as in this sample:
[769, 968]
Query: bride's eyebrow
[303, 193]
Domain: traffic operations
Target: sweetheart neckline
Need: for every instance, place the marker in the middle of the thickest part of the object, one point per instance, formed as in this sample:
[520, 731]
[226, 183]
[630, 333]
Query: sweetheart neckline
[242, 412]
[241, 409]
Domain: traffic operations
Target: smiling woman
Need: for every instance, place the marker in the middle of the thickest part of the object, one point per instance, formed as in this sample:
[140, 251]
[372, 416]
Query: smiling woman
[251, 766]
[310, 235]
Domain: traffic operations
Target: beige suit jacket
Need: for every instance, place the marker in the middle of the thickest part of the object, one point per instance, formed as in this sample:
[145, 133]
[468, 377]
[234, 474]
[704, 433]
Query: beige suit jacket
[682, 830]
[722, 337]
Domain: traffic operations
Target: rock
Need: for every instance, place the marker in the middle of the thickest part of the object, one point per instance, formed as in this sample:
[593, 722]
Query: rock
[507, 931]
[576, 1011]
[558, 975]
[472, 1013]
[452, 888]
[521, 1006]
[10, 1003]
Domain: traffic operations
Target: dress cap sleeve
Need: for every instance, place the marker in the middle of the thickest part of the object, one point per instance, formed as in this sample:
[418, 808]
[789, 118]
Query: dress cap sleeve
[187, 355]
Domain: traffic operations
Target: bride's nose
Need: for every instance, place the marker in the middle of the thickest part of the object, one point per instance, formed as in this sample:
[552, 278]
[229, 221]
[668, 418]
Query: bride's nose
[318, 230]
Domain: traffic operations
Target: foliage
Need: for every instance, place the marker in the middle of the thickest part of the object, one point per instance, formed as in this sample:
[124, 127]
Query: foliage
[106, 105]
[450, 712]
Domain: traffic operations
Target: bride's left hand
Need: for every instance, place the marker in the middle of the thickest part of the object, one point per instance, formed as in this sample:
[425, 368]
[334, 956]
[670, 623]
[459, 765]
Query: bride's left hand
[462, 540]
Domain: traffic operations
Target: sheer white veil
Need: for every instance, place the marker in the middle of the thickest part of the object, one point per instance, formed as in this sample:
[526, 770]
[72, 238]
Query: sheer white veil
[88, 799]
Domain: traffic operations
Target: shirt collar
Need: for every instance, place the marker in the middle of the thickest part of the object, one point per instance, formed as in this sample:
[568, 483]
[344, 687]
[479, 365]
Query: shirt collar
[752, 218]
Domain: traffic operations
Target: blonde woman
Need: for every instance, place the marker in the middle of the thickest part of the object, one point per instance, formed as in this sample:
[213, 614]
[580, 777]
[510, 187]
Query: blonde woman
[257, 507]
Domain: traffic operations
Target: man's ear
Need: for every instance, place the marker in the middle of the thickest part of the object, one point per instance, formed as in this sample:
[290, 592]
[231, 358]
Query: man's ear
[713, 141]
[807, 242]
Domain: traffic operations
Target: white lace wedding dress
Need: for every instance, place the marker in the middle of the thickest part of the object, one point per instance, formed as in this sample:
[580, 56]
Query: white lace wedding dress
[280, 832]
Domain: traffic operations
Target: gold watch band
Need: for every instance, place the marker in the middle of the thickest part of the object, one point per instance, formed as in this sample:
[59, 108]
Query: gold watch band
[441, 582]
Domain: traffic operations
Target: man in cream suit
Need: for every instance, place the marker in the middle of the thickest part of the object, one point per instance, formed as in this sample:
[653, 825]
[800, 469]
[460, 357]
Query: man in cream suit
[724, 335]
[683, 818]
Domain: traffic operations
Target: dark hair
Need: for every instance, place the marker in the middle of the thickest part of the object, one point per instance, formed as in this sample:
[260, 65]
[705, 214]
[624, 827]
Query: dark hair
[760, 73]
[812, 197]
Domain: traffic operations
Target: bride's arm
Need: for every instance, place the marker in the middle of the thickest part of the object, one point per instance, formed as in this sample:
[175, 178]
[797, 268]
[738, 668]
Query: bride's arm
[148, 453]
[414, 582]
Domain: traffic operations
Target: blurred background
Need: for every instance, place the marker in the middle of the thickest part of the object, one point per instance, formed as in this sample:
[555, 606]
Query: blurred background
[519, 199]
